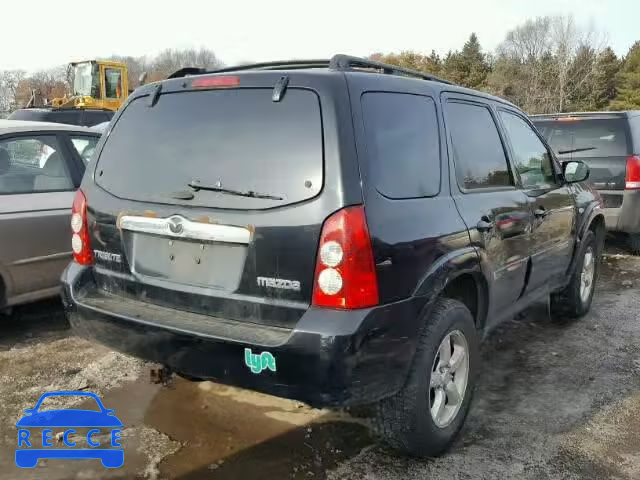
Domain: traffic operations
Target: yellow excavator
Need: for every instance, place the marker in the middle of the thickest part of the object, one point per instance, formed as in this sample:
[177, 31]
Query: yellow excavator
[100, 87]
[97, 84]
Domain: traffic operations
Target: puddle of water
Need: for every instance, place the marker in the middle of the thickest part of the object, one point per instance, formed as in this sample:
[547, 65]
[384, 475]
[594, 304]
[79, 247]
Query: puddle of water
[231, 433]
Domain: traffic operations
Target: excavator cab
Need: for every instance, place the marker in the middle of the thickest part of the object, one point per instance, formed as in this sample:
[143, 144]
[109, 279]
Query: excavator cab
[97, 84]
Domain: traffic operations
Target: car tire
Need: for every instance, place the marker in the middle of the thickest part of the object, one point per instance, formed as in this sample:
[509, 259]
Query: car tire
[408, 420]
[633, 242]
[573, 301]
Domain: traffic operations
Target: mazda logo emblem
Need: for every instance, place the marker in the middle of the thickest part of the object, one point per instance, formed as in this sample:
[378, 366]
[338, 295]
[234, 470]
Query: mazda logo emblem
[175, 226]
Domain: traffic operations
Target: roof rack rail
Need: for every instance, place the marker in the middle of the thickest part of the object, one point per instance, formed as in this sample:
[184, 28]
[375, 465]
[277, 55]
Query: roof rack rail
[278, 65]
[347, 62]
[338, 62]
[283, 64]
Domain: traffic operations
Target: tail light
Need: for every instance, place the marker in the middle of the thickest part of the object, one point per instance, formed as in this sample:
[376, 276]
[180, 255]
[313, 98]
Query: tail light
[345, 274]
[633, 173]
[80, 241]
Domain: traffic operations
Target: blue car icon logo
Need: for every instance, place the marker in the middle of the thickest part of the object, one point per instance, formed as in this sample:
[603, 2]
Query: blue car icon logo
[31, 447]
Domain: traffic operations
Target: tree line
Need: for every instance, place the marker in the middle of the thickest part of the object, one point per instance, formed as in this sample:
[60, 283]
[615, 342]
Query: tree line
[545, 65]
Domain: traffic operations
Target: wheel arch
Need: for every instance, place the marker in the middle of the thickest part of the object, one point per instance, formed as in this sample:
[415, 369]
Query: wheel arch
[593, 221]
[598, 227]
[458, 276]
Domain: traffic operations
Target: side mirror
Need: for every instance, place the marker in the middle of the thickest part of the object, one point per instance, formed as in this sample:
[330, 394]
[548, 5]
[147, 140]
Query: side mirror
[575, 171]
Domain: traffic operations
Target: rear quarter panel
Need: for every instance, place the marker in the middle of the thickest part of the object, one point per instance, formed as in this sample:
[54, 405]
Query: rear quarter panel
[416, 241]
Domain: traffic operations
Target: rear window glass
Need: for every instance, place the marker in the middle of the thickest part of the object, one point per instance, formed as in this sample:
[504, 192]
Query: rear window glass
[70, 117]
[238, 140]
[403, 147]
[594, 137]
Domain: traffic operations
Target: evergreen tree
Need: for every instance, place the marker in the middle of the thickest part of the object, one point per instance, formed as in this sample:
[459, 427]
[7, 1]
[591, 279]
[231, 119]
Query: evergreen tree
[628, 96]
[581, 80]
[469, 67]
[604, 82]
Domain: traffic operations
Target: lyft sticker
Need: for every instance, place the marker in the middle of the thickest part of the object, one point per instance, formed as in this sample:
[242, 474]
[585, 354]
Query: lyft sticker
[257, 362]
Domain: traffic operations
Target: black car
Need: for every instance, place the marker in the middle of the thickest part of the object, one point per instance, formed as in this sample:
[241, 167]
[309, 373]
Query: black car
[340, 232]
[609, 142]
[71, 116]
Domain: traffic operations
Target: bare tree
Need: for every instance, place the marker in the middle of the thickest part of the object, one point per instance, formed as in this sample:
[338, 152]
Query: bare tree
[9, 81]
[47, 84]
[170, 60]
[544, 64]
[135, 67]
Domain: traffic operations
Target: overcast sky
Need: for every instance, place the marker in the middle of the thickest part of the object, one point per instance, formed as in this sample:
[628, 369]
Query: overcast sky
[38, 34]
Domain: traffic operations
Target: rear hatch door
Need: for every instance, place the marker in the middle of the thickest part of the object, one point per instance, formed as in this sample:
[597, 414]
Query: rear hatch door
[212, 199]
[602, 143]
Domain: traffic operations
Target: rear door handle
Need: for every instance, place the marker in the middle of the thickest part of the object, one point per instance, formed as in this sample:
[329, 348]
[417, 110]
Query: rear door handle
[540, 212]
[485, 224]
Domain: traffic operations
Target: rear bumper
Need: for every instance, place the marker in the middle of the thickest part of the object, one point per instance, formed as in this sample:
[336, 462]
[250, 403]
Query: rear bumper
[625, 218]
[331, 357]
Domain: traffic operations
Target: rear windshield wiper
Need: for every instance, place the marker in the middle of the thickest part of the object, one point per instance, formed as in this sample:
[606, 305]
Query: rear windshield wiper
[197, 186]
[575, 150]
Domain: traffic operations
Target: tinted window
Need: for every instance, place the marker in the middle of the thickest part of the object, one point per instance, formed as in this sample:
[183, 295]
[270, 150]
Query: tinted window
[70, 117]
[30, 115]
[403, 149]
[26, 115]
[598, 137]
[92, 117]
[113, 82]
[237, 138]
[32, 164]
[85, 146]
[477, 149]
[531, 157]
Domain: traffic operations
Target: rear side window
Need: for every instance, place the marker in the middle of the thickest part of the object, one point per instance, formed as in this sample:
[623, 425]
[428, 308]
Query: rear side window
[33, 164]
[403, 147]
[590, 137]
[85, 146]
[238, 140]
[478, 153]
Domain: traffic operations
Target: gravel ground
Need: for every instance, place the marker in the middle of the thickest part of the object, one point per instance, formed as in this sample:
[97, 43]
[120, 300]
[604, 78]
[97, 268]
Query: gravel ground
[556, 400]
